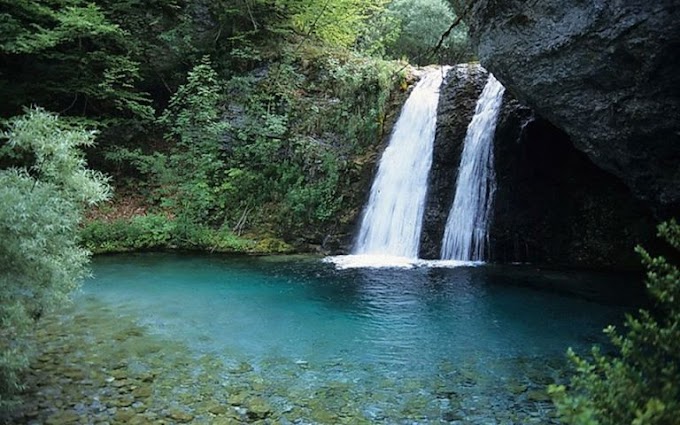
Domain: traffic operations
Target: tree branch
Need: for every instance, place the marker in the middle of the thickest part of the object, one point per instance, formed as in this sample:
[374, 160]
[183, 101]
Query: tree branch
[454, 24]
[438, 46]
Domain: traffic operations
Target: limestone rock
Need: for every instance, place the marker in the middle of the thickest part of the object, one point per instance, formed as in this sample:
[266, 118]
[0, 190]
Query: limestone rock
[552, 205]
[457, 101]
[607, 73]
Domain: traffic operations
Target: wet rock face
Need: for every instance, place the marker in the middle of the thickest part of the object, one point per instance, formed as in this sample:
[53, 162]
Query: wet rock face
[607, 73]
[553, 205]
[457, 100]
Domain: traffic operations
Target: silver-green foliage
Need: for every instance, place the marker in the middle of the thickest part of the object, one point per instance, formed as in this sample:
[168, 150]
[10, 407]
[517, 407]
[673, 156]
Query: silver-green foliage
[640, 386]
[40, 210]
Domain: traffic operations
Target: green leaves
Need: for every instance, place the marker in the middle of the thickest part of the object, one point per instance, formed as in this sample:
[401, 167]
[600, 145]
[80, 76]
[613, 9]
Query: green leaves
[67, 55]
[40, 211]
[420, 24]
[57, 158]
[641, 385]
[193, 121]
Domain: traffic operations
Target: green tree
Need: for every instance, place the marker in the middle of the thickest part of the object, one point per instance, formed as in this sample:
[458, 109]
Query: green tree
[336, 22]
[421, 24]
[41, 207]
[68, 56]
[640, 386]
[194, 123]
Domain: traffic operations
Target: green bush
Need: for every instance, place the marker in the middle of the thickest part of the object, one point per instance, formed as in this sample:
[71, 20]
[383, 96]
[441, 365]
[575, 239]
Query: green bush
[40, 210]
[138, 233]
[641, 385]
[158, 232]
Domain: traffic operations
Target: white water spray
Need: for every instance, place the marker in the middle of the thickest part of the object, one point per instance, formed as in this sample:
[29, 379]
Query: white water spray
[393, 217]
[465, 236]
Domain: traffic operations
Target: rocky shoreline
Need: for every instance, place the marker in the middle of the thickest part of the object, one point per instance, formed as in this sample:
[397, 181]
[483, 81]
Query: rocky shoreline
[99, 366]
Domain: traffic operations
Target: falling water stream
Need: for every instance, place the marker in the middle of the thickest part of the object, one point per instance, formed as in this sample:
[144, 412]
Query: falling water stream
[465, 235]
[392, 219]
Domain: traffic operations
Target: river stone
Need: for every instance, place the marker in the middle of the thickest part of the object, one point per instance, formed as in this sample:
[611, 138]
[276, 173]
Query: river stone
[238, 398]
[120, 383]
[243, 367]
[538, 396]
[225, 420]
[143, 391]
[146, 377]
[125, 401]
[74, 374]
[258, 408]
[606, 72]
[124, 415]
[63, 418]
[180, 415]
[517, 388]
[216, 408]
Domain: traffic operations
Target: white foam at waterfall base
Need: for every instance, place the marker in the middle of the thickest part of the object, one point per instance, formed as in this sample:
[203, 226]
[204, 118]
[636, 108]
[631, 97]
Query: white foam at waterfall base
[392, 220]
[465, 235]
[343, 262]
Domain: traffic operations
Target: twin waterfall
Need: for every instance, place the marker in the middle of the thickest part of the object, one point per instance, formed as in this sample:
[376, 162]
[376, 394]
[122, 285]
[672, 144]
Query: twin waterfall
[392, 220]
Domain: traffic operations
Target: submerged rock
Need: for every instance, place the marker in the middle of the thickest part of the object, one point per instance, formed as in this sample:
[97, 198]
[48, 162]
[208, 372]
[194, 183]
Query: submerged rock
[607, 73]
[180, 415]
[258, 408]
[63, 418]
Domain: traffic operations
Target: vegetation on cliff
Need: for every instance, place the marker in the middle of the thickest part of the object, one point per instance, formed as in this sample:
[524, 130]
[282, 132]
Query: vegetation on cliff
[242, 120]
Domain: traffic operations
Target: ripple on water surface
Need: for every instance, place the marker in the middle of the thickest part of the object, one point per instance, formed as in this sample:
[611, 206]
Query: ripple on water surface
[397, 345]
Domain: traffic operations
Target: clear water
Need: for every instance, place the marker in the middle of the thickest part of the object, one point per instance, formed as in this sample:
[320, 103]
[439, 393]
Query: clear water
[419, 345]
[465, 235]
[393, 216]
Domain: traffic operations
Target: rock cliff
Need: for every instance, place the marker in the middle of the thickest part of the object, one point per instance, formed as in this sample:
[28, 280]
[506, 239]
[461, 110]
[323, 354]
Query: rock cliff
[457, 99]
[552, 204]
[605, 72]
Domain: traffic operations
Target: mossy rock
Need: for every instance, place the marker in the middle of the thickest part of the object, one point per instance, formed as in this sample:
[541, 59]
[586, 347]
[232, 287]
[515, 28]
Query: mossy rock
[180, 415]
[63, 418]
[271, 245]
[258, 408]
[238, 398]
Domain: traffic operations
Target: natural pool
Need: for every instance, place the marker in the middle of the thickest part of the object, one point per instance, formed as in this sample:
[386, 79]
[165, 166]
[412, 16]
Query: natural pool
[293, 340]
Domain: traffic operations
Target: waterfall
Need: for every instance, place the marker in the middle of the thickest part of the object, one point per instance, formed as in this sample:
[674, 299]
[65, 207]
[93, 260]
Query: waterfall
[465, 236]
[392, 219]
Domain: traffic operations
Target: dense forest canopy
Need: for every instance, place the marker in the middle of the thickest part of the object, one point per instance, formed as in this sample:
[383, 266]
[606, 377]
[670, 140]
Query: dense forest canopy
[112, 58]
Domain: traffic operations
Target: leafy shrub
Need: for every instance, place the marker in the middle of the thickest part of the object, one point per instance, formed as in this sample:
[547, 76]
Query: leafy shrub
[40, 210]
[158, 232]
[641, 386]
[138, 233]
